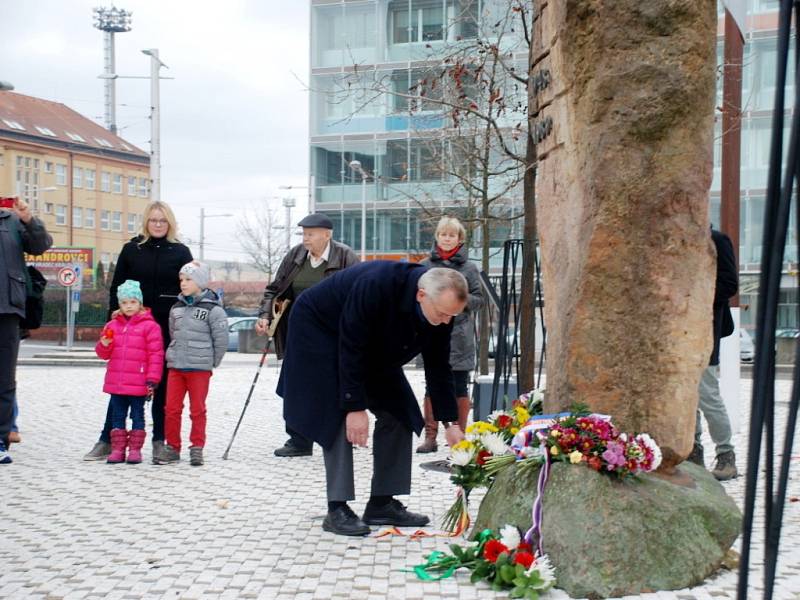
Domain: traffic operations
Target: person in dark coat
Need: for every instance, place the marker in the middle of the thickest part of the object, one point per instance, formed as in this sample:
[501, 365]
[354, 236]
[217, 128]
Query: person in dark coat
[349, 337]
[449, 251]
[710, 403]
[20, 232]
[303, 266]
[153, 258]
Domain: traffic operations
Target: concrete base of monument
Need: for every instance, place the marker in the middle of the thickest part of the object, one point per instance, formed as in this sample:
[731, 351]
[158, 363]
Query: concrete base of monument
[609, 538]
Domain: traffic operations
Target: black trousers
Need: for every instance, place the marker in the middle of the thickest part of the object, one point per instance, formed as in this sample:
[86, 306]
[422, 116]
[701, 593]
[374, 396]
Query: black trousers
[9, 350]
[298, 440]
[391, 461]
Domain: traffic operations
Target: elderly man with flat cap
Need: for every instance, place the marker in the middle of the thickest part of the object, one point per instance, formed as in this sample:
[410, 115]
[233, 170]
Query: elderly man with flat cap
[305, 265]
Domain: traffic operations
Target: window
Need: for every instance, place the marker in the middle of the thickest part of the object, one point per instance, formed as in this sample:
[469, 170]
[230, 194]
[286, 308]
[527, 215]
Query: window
[77, 177]
[131, 222]
[116, 221]
[88, 218]
[13, 124]
[422, 22]
[45, 131]
[48, 167]
[48, 208]
[75, 137]
[61, 214]
[143, 187]
[77, 216]
[103, 142]
[105, 181]
[61, 174]
[105, 224]
[126, 147]
[90, 179]
[131, 186]
[117, 184]
[36, 163]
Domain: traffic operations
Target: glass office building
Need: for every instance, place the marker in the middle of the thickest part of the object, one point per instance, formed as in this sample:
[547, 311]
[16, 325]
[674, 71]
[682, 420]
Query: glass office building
[758, 95]
[357, 41]
[358, 47]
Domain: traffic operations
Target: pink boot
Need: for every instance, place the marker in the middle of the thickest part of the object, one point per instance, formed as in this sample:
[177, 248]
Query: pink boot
[135, 443]
[119, 441]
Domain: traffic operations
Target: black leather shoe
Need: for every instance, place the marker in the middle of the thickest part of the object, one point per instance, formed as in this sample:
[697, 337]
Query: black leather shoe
[291, 450]
[393, 513]
[343, 521]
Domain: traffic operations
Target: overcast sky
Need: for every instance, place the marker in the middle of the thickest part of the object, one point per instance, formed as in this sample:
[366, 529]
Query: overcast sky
[234, 121]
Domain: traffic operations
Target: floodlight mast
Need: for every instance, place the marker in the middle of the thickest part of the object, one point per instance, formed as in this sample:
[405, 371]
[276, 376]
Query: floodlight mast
[110, 21]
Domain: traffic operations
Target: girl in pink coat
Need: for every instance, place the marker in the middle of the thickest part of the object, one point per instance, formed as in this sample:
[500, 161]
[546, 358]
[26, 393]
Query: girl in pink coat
[131, 343]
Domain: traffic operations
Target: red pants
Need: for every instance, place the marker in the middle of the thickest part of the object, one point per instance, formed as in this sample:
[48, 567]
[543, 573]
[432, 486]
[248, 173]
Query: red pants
[178, 383]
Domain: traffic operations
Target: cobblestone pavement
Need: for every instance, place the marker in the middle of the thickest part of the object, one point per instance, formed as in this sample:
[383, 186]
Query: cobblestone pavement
[248, 527]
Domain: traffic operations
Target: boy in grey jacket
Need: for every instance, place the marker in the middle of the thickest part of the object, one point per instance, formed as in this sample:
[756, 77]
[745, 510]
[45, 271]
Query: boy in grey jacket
[198, 327]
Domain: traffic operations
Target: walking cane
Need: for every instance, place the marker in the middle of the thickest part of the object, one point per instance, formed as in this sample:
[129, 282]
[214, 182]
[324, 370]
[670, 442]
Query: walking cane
[277, 313]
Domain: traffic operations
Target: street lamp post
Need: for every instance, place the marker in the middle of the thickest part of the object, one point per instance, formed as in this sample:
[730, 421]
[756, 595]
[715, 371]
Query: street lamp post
[356, 166]
[288, 203]
[203, 217]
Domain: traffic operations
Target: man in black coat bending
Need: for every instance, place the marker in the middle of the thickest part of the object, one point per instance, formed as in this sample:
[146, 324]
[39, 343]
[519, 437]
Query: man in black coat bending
[349, 337]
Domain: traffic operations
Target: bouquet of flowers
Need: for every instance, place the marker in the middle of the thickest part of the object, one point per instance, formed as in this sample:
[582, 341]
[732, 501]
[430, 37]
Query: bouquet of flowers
[485, 441]
[591, 439]
[502, 559]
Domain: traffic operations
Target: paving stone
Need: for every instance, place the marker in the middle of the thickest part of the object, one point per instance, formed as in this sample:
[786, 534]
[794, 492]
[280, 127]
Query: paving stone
[248, 527]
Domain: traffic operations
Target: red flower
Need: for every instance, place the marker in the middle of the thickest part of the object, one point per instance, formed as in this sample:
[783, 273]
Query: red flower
[504, 421]
[525, 547]
[493, 549]
[523, 558]
[595, 463]
[482, 456]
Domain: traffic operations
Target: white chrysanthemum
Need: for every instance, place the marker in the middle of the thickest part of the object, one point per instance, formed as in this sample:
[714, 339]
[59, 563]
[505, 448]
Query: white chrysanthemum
[542, 564]
[509, 537]
[650, 443]
[493, 416]
[461, 458]
[537, 397]
[494, 443]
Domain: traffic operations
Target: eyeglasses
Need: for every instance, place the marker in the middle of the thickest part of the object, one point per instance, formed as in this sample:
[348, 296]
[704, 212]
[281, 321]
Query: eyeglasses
[158, 221]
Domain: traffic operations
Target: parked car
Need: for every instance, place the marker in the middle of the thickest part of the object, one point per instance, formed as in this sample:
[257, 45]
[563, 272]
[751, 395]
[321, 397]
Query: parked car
[235, 325]
[746, 347]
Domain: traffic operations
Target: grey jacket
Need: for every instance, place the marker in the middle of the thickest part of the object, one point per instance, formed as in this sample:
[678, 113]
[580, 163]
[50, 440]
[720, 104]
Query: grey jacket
[280, 288]
[462, 340]
[199, 332]
[16, 237]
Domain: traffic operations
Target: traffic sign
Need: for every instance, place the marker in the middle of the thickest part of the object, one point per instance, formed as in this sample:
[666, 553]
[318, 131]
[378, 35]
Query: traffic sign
[67, 276]
[76, 300]
[78, 277]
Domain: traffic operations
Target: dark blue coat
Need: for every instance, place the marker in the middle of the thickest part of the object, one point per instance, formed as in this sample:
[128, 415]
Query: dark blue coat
[349, 337]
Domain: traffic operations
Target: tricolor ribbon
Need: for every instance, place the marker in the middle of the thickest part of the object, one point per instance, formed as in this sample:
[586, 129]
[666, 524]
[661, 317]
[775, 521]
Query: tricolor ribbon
[536, 527]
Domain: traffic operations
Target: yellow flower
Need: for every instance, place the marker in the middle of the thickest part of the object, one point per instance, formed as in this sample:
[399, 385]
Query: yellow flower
[555, 433]
[522, 414]
[514, 430]
[554, 450]
[575, 457]
[481, 427]
[464, 445]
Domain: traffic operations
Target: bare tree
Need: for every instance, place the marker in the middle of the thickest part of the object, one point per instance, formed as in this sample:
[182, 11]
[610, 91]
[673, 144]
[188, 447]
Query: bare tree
[260, 239]
[467, 103]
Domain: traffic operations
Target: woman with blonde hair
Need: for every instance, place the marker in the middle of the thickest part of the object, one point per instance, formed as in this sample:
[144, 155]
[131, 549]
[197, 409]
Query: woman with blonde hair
[153, 258]
[449, 251]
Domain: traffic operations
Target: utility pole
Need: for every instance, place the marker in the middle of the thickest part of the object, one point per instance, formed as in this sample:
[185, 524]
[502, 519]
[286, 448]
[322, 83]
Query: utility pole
[110, 21]
[155, 123]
